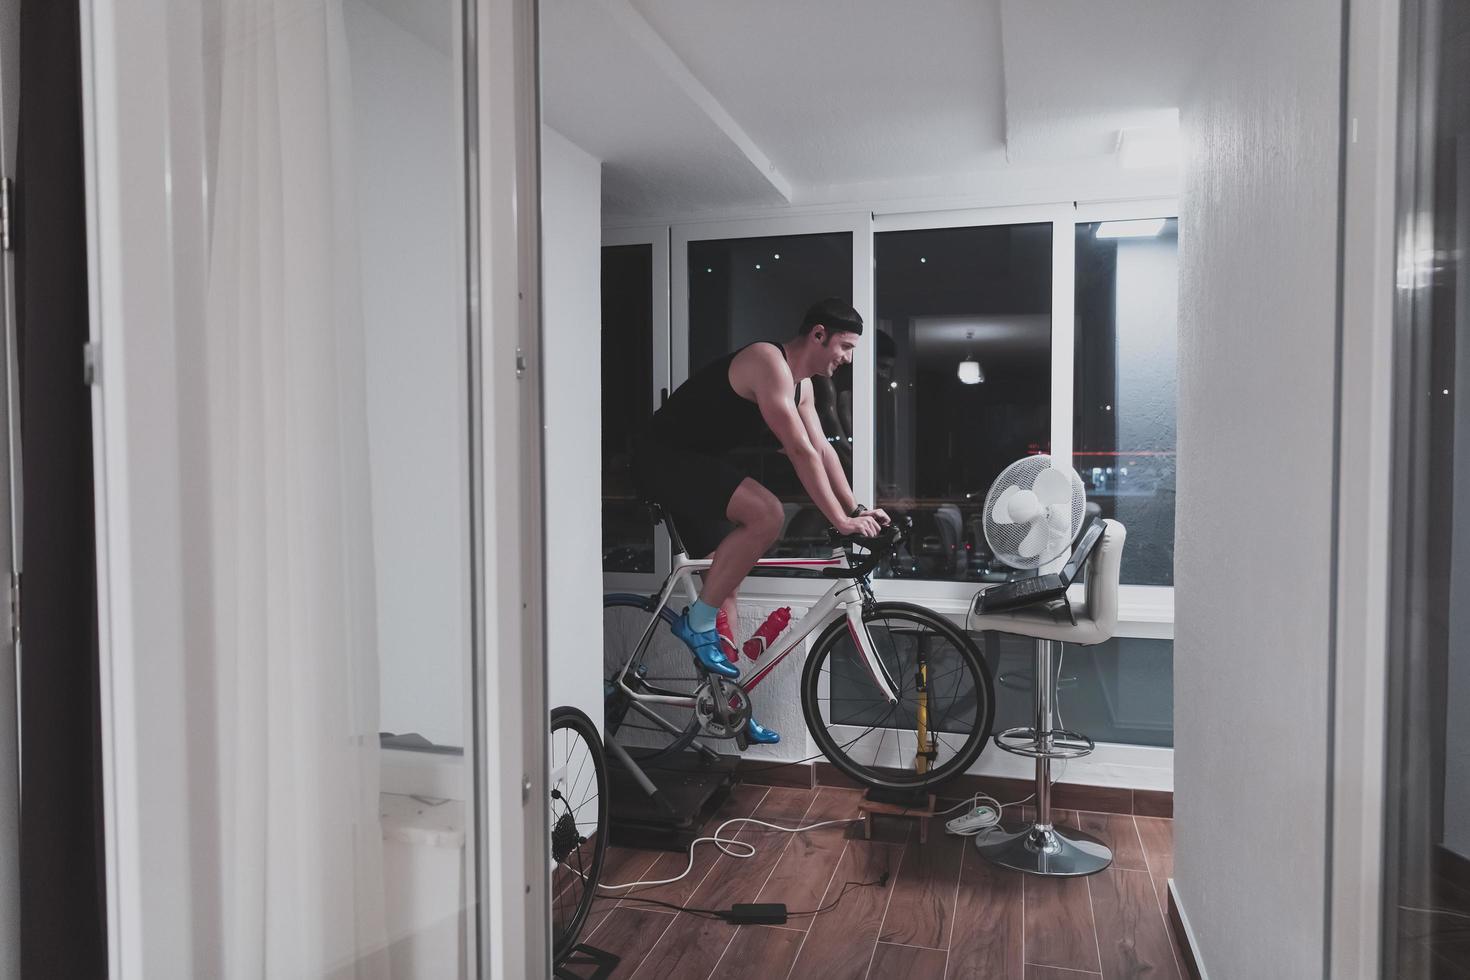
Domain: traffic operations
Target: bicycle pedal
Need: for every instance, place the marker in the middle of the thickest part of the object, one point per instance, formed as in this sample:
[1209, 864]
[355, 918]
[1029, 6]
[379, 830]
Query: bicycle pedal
[973, 822]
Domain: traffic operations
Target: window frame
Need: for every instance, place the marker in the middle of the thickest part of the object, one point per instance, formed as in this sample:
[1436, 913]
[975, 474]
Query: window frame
[1063, 259]
[656, 236]
[1145, 611]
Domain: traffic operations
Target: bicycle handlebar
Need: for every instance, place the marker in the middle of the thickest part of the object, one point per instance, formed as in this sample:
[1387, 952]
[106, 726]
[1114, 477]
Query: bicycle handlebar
[878, 548]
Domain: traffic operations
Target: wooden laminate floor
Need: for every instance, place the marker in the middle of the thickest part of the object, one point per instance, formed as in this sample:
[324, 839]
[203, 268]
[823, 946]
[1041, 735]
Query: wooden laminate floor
[944, 913]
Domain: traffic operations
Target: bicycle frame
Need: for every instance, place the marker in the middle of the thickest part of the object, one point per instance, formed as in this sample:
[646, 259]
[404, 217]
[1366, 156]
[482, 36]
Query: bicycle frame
[844, 598]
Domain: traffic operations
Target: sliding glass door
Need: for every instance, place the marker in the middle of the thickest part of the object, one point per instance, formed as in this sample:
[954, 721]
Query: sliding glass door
[281, 209]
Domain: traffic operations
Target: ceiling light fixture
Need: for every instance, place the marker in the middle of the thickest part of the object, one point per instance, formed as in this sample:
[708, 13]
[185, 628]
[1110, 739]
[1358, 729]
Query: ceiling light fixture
[969, 371]
[1142, 228]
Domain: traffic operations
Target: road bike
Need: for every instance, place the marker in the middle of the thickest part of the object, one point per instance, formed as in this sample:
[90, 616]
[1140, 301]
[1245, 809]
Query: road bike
[895, 695]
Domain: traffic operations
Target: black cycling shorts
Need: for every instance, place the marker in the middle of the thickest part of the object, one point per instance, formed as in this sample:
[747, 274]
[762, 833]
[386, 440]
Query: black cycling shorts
[693, 489]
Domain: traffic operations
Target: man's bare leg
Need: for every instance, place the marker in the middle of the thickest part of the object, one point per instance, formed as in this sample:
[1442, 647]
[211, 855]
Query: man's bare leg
[757, 516]
[730, 607]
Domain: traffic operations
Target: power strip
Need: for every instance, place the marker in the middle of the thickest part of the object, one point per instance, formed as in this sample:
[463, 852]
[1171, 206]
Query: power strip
[979, 819]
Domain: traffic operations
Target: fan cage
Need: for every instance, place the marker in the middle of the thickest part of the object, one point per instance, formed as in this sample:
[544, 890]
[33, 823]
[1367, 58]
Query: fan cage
[1005, 539]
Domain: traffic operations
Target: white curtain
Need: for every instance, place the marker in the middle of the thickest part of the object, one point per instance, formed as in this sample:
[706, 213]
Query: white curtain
[288, 492]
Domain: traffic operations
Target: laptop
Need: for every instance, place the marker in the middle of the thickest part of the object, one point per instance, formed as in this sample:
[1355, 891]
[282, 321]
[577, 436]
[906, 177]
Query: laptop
[1037, 589]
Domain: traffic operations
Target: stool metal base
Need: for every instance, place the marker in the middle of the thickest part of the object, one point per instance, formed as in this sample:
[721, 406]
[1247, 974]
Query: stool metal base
[1047, 851]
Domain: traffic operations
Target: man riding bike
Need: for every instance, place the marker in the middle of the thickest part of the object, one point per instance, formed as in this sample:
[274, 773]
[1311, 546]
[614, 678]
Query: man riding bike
[685, 462]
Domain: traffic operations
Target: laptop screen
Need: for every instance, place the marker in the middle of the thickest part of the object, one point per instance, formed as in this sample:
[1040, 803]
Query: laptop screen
[1086, 541]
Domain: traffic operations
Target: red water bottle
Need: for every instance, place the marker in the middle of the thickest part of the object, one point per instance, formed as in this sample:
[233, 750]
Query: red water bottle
[775, 623]
[727, 636]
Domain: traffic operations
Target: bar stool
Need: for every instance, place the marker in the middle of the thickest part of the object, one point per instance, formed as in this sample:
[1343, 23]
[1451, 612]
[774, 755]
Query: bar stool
[1041, 848]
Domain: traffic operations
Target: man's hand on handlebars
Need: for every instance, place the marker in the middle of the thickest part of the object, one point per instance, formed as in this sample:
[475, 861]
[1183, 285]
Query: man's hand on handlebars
[864, 525]
[879, 514]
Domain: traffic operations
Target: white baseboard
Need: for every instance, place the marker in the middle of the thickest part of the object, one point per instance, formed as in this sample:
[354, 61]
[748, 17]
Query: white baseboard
[1194, 954]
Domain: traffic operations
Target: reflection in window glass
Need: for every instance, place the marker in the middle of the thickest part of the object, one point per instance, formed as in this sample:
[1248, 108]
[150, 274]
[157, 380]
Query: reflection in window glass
[1123, 421]
[947, 297]
[745, 290]
[1426, 854]
[1121, 690]
[627, 383]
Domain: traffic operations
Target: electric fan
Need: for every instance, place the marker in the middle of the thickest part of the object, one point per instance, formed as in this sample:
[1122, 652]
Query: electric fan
[1033, 512]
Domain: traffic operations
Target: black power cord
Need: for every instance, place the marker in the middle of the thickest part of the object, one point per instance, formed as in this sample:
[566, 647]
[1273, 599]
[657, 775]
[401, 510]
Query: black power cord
[728, 915]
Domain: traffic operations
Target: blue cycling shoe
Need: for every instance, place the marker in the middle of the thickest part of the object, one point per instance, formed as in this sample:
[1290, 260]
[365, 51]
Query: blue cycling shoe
[706, 646]
[758, 733]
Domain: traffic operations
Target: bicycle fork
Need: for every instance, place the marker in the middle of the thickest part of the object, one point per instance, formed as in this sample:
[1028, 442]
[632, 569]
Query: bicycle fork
[868, 653]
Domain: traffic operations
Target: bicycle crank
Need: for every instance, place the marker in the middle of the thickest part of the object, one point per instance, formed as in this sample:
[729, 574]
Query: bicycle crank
[723, 708]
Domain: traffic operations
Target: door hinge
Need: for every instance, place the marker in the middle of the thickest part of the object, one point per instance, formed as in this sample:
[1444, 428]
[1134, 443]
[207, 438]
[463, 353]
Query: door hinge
[7, 206]
[91, 364]
[14, 608]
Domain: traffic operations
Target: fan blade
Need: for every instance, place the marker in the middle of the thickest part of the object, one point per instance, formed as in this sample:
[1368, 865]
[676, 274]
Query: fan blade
[998, 513]
[1059, 516]
[1034, 540]
[1053, 486]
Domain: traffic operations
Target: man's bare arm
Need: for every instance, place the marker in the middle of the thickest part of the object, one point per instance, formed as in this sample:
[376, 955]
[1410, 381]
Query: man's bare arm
[762, 373]
[831, 462]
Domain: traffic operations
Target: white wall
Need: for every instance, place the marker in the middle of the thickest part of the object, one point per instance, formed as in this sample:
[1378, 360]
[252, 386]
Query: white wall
[571, 243]
[1256, 407]
[407, 169]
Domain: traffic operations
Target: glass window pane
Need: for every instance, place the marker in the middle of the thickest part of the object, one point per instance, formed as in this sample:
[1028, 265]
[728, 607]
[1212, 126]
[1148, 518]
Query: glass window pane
[1123, 418]
[627, 402]
[948, 296]
[743, 290]
[1121, 690]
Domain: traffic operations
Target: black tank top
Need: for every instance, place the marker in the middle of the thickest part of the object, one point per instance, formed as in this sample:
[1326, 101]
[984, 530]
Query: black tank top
[706, 415]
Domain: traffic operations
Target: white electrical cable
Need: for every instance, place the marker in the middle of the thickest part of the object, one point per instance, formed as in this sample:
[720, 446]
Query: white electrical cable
[975, 801]
[721, 843]
[724, 843]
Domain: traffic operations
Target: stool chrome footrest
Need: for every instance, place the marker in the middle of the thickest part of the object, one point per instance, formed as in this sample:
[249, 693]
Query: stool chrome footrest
[1041, 848]
[1028, 742]
[1047, 850]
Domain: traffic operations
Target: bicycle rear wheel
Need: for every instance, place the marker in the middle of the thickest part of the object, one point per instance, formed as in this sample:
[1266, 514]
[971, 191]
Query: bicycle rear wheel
[577, 812]
[877, 743]
[649, 731]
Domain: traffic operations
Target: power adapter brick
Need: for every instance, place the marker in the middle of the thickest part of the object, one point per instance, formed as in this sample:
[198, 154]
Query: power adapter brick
[760, 914]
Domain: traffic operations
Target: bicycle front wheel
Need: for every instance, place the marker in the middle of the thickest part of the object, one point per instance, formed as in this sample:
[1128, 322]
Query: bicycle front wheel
[944, 689]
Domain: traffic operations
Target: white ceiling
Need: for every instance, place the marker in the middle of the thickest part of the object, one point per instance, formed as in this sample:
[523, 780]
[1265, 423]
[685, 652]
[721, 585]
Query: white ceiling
[713, 105]
[1078, 72]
